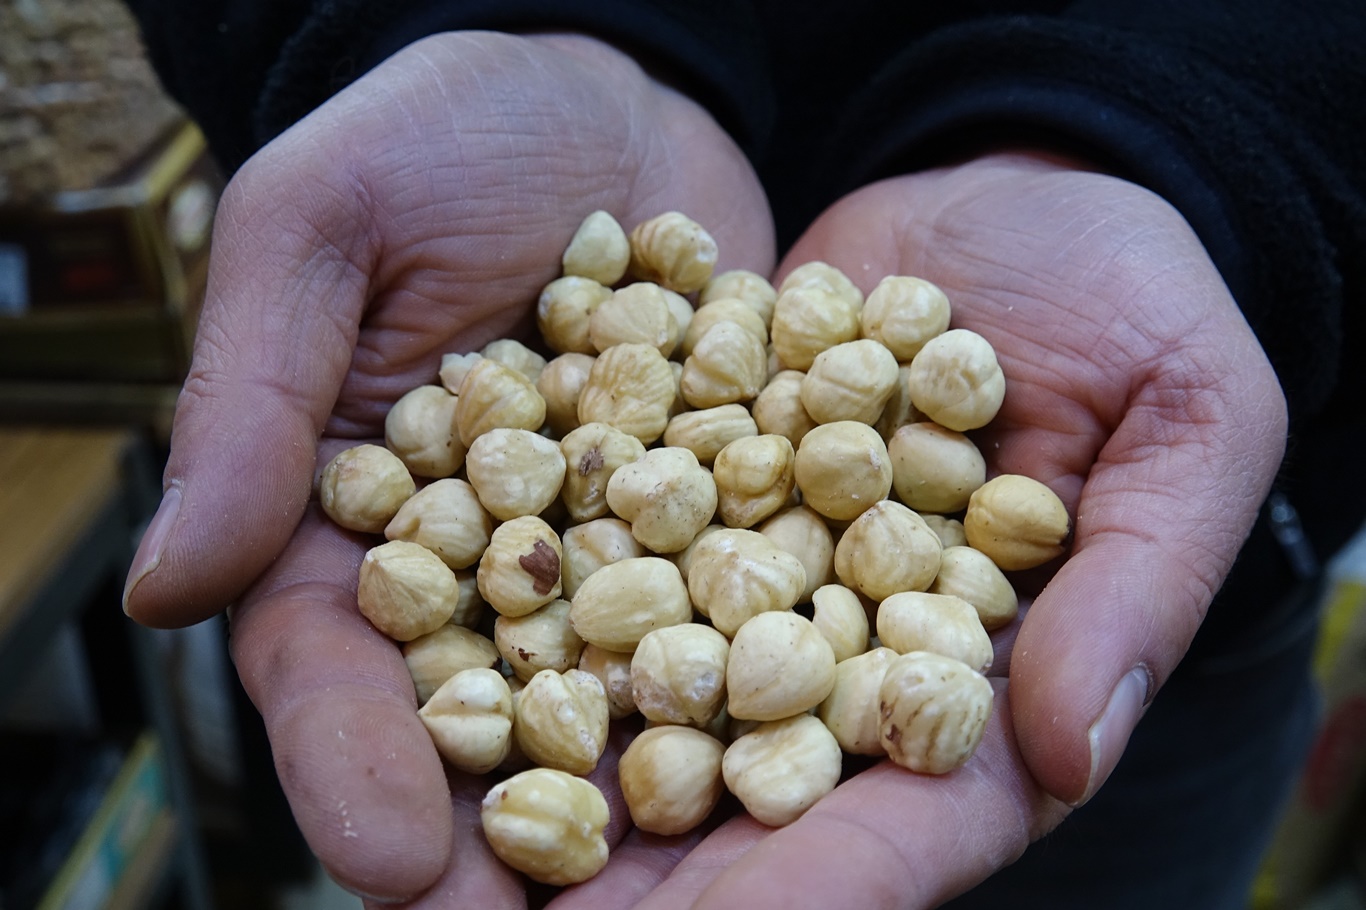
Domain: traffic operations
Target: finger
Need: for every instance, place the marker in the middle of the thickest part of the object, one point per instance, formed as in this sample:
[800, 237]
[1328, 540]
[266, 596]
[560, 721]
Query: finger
[365, 784]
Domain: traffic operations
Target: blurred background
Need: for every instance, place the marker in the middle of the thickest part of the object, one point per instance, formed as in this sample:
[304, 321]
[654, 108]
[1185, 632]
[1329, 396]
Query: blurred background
[140, 776]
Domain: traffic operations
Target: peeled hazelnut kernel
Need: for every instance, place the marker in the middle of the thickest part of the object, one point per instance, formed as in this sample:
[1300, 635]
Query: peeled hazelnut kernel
[822, 275]
[1017, 521]
[363, 486]
[683, 558]
[635, 314]
[670, 777]
[512, 353]
[455, 367]
[561, 720]
[592, 545]
[470, 720]
[469, 603]
[515, 472]
[678, 674]
[520, 570]
[842, 469]
[548, 825]
[749, 287]
[405, 590]
[934, 469]
[420, 429]
[904, 313]
[949, 530]
[781, 768]
[540, 640]
[850, 381]
[754, 478]
[898, 411]
[808, 320]
[592, 454]
[674, 251]
[778, 408]
[494, 395]
[436, 656]
[934, 710]
[779, 665]
[887, 549]
[707, 432]
[724, 309]
[598, 250]
[956, 381]
[630, 387]
[620, 603]
[560, 384]
[850, 711]
[666, 496]
[613, 670]
[563, 311]
[727, 365]
[939, 623]
[736, 574]
[970, 574]
[801, 531]
[839, 616]
[447, 518]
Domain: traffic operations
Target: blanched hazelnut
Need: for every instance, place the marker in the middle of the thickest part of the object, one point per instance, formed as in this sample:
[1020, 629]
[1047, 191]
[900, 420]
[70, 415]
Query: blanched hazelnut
[592, 454]
[666, 496]
[674, 251]
[515, 472]
[778, 408]
[708, 431]
[540, 640]
[970, 574]
[727, 365]
[822, 275]
[779, 665]
[842, 469]
[737, 574]
[898, 411]
[887, 549]
[548, 825]
[420, 429]
[469, 603]
[850, 712]
[598, 250]
[801, 531]
[470, 720]
[592, 545]
[520, 570]
[671, 780]
[635, 314]
[810, 319]
[956, 381]
[934, 710]
[563, 312]
[561, 720]
[512, 353]
[782, 767]
[850, 381]
[438, 655]
[619, 604]
[750, 287]
[362, 487]
[405, 590]
[447, 518]
[725, 309]
[839, 616]
[934, 469]
[904, 313]
[949, 530]
[940, 623]
[632, 388]
[613, 670]
[455, 367]
[678, 674]
[754, 479]
[1017, 521]
[494, 395]
[560, 384]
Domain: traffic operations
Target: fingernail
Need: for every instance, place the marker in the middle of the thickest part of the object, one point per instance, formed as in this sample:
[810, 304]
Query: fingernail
[148, 556]
[1110, 734]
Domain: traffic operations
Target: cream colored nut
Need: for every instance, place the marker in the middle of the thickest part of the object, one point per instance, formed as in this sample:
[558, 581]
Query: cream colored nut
[592, 454]
[592, 545]
[934, 469]
[512, 353]
[724, 309]
[683, 313]
[561, 720]
[898, 411]
[934, 710]
[540, 640]
[678, 674]
[674, 251]
[801, 531]
[839, 616]
[679, 406]
[405, 590]
[420, 429]
[563, 311]
[850, 381]
[970, 574]
[670, 777]
[956, 381]
[447, 518]
[455, 367]
[635, 314]
[666, 496]
[708, 431]
[598, 250]
[362, 487]
[778, 408]
[515, 472]
[437, 656]
[842, 469]
[775, 363]
[754, 478]
[742, 284]
[560, 384]
[727, 365]
[520, 570]
[683, 558]
[949, 530]
[904, 313]
[939, 623]
[780, 665]
[781, 768]
[632, 388]
[1017, 521]
[548, 825]
[613, 670]
[808, 320]
[735, 575]
[470, 720]
[886, 550]
[850, 711]
[822, 275]
[494, 395]
[469, 603]
[620, 603]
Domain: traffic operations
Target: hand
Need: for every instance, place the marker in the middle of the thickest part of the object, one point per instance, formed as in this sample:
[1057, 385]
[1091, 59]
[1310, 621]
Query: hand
[1137, 392]
[418, 212]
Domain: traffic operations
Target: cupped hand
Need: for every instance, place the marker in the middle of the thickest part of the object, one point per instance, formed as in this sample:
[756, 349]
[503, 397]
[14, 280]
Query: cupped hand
[1138, 393]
